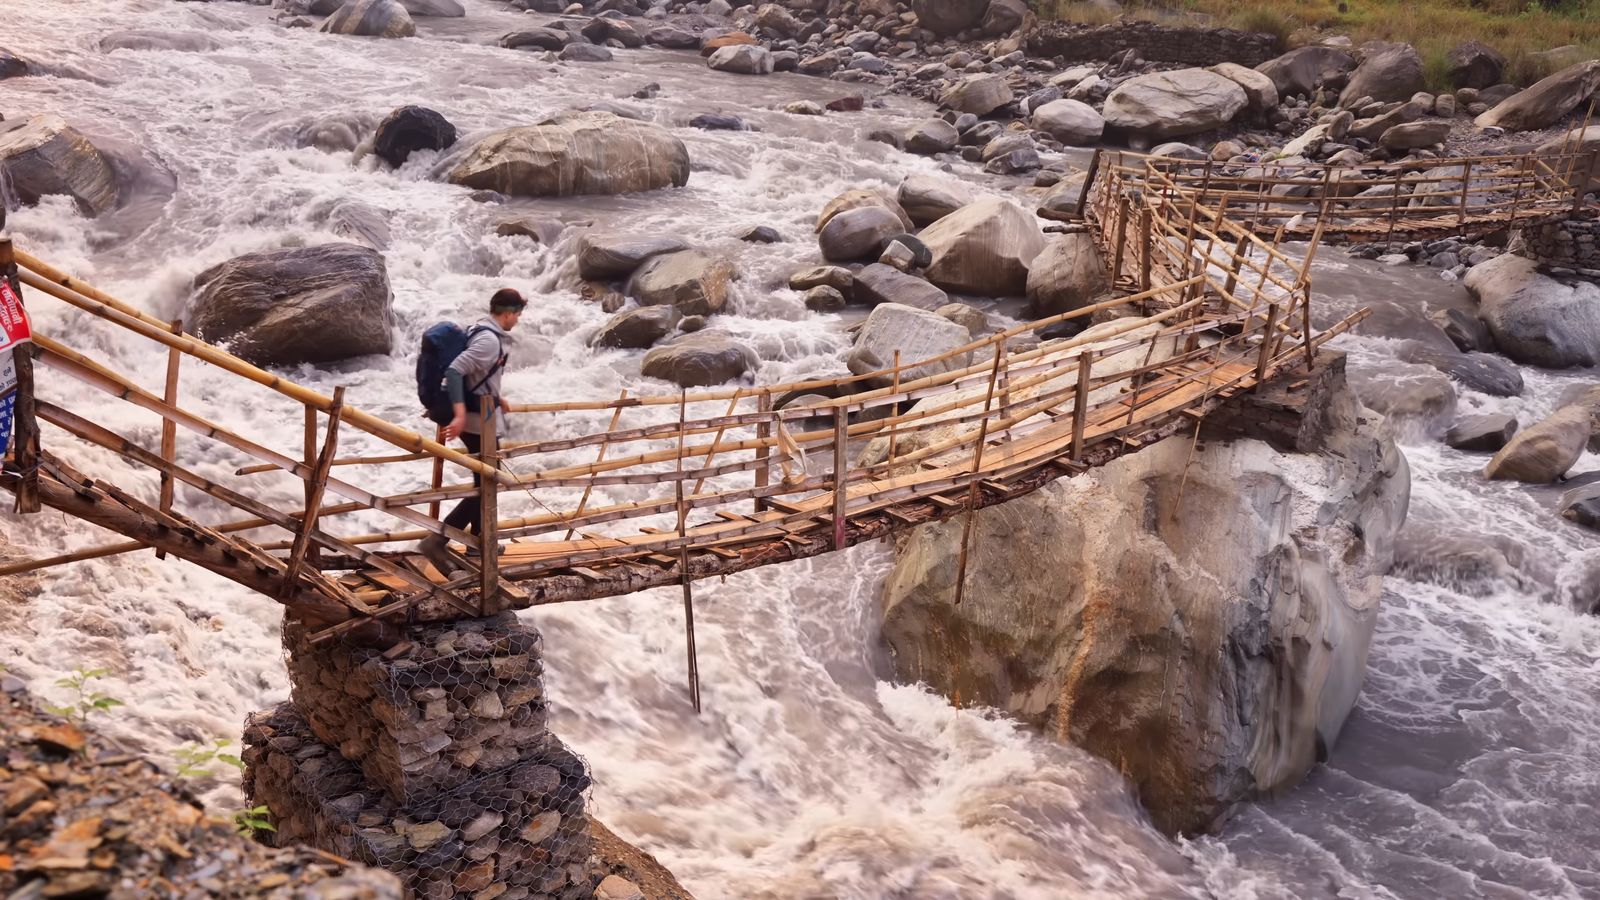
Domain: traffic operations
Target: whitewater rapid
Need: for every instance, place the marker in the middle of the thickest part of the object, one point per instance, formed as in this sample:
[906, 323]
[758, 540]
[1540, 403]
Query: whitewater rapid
[1468, 769]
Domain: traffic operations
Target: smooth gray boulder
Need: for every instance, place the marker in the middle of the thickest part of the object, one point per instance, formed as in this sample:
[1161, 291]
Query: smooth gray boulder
[1199, 618]
[1536, 319]
[371, 18]
[1071, 122]
[856, 198]
[1260, 91]
[440, 9]
[1544, 451]
[603, 257]
[948, 17]
[1387, 72]
[1476, 65]
[918, 334]
[1063, 200]
[977, 94]
[637, 329]
[575, 153]
[1587, 397]
[1415, 135]
[1066, 275]
[44, 155]
[878, 284]
[1162, 105]
[742, 59]
[1482, 372]
[409, 129]
[1546, 101]
[859, 233]
[929, 198]
[304, 305]
[1481, 433]
[12, 65]
[551, 39]
[700, 359]
[577, 51]
[695, 283]
[1303, 70]
[1581, 505]
[984, 248]
[931, 136]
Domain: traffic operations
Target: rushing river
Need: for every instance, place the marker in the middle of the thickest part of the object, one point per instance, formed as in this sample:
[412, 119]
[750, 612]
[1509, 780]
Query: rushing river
[1470, 768]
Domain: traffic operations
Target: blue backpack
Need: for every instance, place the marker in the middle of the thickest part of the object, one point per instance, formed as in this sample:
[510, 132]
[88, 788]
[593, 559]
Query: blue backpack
[441, 344]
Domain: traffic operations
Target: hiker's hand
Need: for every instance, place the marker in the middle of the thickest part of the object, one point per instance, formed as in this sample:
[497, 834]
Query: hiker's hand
[455, 427]
[505, 406]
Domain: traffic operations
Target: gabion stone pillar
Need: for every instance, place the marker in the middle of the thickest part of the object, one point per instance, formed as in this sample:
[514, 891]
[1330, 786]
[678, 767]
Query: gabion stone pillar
[431, 760]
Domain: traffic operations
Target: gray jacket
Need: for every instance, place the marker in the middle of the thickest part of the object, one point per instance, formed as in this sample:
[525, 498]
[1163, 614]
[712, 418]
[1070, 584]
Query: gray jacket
[483, 351]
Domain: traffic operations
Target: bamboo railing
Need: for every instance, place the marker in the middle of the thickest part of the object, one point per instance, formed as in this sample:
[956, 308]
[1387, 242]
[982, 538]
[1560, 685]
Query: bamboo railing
[1388, 202]
[657, 488]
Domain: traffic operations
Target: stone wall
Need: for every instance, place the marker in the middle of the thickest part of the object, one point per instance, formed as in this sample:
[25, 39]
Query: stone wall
[1156, 43]
[430, 760]
[1570, 244]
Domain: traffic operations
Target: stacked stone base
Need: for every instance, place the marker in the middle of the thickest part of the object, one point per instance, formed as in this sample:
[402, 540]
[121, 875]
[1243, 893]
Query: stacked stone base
[431, 761]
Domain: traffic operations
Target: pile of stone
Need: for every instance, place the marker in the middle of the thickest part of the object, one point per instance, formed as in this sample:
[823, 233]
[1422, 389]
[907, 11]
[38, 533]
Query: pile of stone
[431, 760]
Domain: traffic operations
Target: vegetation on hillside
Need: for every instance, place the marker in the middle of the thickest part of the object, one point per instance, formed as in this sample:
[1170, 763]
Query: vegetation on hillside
[1523, 30]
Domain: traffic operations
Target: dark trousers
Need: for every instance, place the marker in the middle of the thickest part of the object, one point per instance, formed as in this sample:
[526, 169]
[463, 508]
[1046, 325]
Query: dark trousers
[468, 514]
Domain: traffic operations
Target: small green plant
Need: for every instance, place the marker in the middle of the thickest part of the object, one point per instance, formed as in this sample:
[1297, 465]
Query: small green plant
[88, 700]
[249, 821]
[195, 759]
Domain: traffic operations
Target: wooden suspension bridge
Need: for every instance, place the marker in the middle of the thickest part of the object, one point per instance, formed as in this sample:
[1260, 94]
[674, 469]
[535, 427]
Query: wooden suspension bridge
[646, 491]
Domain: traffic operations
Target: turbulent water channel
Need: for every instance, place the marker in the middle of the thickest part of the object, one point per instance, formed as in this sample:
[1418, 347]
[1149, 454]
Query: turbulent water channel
[1470, 767]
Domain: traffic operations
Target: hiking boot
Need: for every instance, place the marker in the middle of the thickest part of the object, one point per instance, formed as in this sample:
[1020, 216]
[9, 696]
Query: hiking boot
[436, 549]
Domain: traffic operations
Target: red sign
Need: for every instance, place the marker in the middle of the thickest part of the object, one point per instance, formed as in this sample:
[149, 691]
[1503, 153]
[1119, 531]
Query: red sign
[14, 328]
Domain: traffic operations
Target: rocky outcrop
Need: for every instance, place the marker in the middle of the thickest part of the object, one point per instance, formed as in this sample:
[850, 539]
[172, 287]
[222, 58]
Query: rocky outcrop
[1201, 623]
[575, 153]
[1169, 104]
[409, 129]
[44, 155]
[1303, 70]
[984, 248]
[1544, 451]
[303, 305]
[1547, 101]
[691, 281]
[371, 18]
[1067, 275]
[699, 360]
[1534, 318]
[1388, 72]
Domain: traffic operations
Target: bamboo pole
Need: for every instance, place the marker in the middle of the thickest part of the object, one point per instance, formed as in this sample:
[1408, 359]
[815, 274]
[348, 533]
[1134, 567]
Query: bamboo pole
[764, 436]
[315, 487]
[169, 431]
[489, 599]
[894, 410]
[683, 564]
[588, 489]
[977, 470]
[436, 476]
[1466, 183]
[716, 442]
[1266, 345]
[1080, 405]
[841, 467]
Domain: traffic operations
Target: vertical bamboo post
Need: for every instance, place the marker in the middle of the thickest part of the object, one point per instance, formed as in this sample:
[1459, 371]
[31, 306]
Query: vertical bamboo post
[1267, 335]
[1394, 206]
[1240, 254]
[438, 474]
[1121, 238]
[315, 487]
[1581, 187]
[310, 449]
[1466, 185]
[716, 441]
[1144, 251]
[977, 470]
[763, 434]
[1080, 405]
[169, 428]
[600, 457]
[25, 430]
[488, 496]
[1572, 163]
[841, 473]
[1088, 182]
[894, 408]
[683, 558]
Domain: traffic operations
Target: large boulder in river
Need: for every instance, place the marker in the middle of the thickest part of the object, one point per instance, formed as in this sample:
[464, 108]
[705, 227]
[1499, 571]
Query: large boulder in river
[638, 328]
[947, 17]
[984, 248]
[12, 65]
[44, 155]
[303, 305]
[1198, 617]
[602, 257]
[693, 282]
[1169, 104]
[929, 198]
[930, 136]
[699, 359]
[1534, 318]
[1303, 70]
[409, 129]
[1415, 135]
[1544, 451]
[1547, 101]
[1581, 505]
[856, 198]
[917, 334]
[1388, 72]
[859, 233]
[1260, 92]
[441, 9]
[371, 18]
[1067, 275]
[742, 59]
[878, 284]
[1587, 397]
[1071, 122]
[575, 153]
[1475, 65]
[977, 94]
